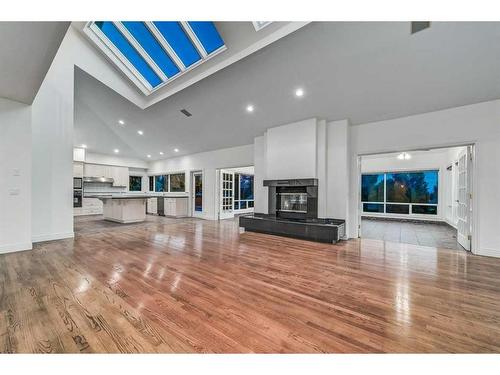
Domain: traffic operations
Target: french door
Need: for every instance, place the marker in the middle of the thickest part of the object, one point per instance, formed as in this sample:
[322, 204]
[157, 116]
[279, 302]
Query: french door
[197, 194]
[464, 199]
[226, 198]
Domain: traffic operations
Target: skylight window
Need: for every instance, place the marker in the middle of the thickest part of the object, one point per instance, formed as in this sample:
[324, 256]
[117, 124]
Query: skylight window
[152, 54]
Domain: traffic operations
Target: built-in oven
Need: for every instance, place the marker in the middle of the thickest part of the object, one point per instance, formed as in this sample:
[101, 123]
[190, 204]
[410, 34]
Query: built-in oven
[77, 183]
[77, 197]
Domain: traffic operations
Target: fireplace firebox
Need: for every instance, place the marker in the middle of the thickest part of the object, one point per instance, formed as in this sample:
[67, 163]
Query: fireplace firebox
[293, 199]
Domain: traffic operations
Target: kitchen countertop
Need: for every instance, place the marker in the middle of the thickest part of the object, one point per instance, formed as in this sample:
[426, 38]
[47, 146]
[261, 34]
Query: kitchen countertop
[130, 196]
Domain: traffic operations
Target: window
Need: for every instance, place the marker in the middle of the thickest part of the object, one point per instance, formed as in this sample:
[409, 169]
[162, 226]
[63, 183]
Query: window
[135, 183]
[161, 183]
[177, 182]
[402, 193]
[152, 54]
[243, 191]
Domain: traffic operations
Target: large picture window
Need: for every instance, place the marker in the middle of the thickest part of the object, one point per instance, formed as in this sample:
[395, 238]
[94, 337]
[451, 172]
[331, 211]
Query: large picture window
[174, 183]
[401, 193]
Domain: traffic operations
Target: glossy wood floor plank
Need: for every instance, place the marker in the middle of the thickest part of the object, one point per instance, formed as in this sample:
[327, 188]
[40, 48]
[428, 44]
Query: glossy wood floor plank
[177, 286]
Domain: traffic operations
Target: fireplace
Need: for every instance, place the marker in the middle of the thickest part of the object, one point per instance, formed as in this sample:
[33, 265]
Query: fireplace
[293, 212]
[293, 199]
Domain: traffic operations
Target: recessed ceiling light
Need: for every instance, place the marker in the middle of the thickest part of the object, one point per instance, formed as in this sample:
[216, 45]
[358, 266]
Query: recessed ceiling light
[116, 151]
[121, 122]
[299, 93]
[140, 132]
[84, 146]
[176, 150]
[148, 156]
[250, 108]
[161, 152]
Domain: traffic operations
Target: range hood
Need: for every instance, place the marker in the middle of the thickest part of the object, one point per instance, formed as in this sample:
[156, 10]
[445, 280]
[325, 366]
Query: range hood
[105, 180]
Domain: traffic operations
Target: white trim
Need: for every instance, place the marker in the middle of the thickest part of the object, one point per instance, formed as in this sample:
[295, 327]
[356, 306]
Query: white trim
[12, 248]
[52, 237]
[131, 39]
[166, 46]
[488, 252]
[194, 38]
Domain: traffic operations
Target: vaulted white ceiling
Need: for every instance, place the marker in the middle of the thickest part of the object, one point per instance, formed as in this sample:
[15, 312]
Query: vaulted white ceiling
[27, 50]
[362, 71]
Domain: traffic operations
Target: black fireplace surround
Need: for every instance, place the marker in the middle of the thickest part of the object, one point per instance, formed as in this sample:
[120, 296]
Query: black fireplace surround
[293, 212]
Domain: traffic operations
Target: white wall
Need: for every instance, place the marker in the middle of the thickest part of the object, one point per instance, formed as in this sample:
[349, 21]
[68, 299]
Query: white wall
[117, 161]
[52, 133]
[291, 150]
[208, 162]
[477, 123]
[15, 172]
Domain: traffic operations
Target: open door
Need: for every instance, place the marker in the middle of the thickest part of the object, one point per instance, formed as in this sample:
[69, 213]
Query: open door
[226, 201]
[464, 199]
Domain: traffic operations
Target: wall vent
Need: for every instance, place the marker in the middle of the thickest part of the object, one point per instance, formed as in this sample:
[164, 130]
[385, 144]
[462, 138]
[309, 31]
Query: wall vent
[186, 112]
[419, 26]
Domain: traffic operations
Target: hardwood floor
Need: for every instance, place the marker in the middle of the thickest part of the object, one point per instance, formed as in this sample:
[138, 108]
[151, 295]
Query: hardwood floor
[200, 286]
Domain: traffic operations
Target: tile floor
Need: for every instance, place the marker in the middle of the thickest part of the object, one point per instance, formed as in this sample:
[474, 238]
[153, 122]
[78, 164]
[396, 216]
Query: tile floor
[424, 234]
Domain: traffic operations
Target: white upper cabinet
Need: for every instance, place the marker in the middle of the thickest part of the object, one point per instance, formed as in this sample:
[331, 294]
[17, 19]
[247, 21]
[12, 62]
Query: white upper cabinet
[120, 175]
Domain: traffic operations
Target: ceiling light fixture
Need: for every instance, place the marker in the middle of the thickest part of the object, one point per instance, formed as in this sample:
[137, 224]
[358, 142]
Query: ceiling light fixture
[250, 108]
[121, 122]
[161, 152]
[116, 151]
[299, 93]
[148, 156]
[176, 150]
[404, 156]
[140, 132]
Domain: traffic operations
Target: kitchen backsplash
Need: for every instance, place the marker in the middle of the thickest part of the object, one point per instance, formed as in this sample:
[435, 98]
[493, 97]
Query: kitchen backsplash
[96, 187]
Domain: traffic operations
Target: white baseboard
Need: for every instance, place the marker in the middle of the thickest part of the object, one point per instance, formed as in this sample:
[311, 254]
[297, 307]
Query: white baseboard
[488, 252]
[11, 248]
[52, 236]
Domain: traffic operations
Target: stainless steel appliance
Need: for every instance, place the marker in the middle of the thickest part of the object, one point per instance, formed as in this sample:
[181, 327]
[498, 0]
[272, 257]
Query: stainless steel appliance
[77, 183]
[77, 197]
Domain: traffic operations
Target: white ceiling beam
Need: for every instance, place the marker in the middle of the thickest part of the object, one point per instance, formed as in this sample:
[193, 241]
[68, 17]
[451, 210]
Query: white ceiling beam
[166, 46]
[189, 31]
[141, 51]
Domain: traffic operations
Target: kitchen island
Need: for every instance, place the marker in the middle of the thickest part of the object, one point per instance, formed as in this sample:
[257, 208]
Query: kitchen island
[123, 208]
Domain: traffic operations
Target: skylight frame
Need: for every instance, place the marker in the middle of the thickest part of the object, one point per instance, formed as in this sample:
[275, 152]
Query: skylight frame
[100, 39]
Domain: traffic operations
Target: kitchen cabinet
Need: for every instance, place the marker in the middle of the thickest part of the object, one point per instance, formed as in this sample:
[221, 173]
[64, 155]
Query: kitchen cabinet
[78, 170]
[177, 207]
[90, 206]
[152, 206]
[120, 175]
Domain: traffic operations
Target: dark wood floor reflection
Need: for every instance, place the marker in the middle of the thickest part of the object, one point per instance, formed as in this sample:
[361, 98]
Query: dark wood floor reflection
[200, 286]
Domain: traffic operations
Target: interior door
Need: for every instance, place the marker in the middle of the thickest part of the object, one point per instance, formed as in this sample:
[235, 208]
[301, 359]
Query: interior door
[226, 194]
[197, 197]
[464, 199]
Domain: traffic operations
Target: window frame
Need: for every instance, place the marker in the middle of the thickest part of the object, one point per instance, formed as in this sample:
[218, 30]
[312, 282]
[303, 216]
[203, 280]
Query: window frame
[409, 204]
[99, 38]
[130, 185]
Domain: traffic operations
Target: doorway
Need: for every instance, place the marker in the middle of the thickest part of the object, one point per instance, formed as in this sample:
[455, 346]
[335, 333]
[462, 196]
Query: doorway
[235, 188]
[197, 194]
[420, 197]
